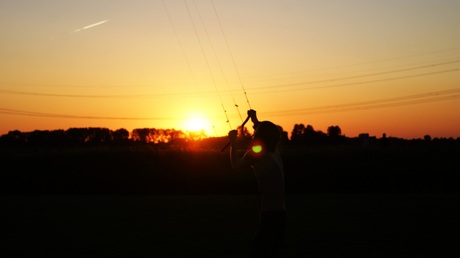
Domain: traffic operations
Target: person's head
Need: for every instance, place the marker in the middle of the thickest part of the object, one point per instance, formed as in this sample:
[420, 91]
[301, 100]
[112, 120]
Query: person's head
[268, 133]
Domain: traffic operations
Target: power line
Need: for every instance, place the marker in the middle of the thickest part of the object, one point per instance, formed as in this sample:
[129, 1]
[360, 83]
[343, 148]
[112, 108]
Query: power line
[8, 111]
[382, 60]
[421, 98]
[362, 82]
[368, 75]
[379, 103]
[257, 90]
[263, 89]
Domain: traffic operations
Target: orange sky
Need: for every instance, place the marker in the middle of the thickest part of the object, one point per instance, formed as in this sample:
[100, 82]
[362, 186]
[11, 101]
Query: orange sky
[367, 66]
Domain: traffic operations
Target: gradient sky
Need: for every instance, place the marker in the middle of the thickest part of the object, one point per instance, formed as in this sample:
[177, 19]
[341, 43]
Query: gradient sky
[389, 66]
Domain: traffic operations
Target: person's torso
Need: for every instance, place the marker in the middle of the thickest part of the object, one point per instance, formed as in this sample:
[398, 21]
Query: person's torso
[269, 173]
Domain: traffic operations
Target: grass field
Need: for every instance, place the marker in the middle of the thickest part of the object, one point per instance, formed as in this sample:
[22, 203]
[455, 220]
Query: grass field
[319, 225]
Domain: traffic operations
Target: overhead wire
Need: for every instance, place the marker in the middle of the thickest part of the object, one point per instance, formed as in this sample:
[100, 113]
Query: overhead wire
[186, 59]
[207, 64]
[379, 61]
[371, 74]
[378, 103]
[217, 59]
[420, 98]
[265, 89]
[231, 55]
[180, 45]
[366, 82]
[8, 111]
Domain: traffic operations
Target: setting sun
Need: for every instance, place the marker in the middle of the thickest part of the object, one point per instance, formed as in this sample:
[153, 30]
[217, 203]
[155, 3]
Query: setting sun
[197, 123]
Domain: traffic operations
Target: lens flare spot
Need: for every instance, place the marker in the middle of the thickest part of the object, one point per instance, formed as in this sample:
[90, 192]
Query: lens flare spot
[257, 148]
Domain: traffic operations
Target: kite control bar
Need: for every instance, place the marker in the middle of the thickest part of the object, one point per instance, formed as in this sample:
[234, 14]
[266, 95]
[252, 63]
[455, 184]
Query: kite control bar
[242, 126]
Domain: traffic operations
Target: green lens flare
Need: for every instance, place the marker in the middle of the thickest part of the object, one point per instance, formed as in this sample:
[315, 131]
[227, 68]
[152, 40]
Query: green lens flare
[257, 148]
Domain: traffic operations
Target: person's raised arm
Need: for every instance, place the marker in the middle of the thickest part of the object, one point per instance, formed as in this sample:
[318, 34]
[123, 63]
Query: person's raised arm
[253, 115]
[236, 161]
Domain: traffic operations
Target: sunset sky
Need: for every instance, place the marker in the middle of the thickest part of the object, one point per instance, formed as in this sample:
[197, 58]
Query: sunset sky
[374, 66]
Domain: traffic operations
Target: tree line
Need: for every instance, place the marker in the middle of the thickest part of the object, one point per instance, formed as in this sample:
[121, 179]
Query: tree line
[300, 135]
[96, 135]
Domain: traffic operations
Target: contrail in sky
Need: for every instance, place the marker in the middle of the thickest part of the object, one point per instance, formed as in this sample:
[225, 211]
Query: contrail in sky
[92, 25]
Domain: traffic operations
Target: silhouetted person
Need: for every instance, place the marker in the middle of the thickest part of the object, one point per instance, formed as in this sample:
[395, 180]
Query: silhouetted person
[266, 163]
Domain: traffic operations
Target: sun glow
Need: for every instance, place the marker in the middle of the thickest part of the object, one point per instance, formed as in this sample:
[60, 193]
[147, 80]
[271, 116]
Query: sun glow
[197, 123]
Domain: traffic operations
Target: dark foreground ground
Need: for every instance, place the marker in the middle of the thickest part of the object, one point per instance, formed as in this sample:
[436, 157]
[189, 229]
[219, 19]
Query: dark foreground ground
[319, 225]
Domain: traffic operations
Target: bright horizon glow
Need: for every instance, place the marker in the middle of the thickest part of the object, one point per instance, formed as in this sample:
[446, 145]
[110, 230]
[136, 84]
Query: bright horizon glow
[376, 67]
[197, 123]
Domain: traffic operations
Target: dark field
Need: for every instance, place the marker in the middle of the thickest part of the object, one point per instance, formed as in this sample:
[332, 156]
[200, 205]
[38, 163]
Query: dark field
[319, 225]
[151, 170]
[144, 201]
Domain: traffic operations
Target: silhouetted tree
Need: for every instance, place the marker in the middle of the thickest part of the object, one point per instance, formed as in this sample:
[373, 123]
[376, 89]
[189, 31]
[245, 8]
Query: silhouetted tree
[335, 134]
[120, 135]
[76, 135]
[308, 135]
[152, 135]
[195, 135]
[47, 138]
[140, 134]
[15, 137]
[174, 135]
[334, 131]
[163, 136]
[284, 135]
[98, 135]
[296, 134]
[320, 138]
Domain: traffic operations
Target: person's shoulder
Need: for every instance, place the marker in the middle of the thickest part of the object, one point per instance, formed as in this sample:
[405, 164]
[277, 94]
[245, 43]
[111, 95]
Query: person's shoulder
[266, 156]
